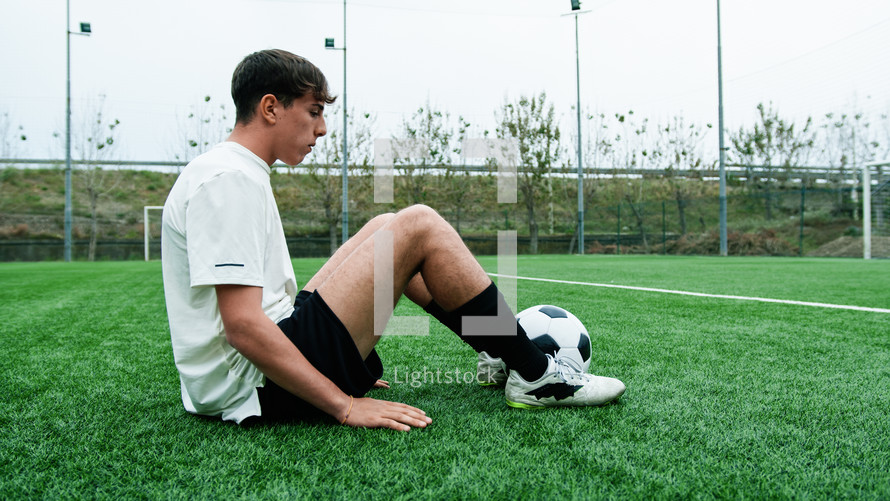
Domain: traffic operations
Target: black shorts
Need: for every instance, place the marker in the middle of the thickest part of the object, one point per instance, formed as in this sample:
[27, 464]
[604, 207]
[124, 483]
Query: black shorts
[323, 339]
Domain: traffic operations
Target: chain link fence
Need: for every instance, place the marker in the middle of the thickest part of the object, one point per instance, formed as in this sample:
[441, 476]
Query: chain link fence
[807, 221]
[788, 222]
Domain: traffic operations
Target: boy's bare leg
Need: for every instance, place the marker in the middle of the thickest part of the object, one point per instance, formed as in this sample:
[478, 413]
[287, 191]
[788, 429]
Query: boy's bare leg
[423, 243]
[416, 291]
[346, 249]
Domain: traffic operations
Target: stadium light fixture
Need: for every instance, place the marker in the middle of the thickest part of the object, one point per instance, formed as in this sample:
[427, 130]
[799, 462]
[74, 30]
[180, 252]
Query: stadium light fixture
[85, 30]
[329, 44]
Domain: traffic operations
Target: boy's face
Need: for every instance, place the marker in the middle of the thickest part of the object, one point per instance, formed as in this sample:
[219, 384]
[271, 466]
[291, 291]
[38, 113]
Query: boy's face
[297, 129]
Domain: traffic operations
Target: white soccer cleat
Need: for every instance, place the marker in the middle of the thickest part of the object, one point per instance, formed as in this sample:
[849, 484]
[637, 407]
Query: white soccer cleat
[490, 371]
[563, 385]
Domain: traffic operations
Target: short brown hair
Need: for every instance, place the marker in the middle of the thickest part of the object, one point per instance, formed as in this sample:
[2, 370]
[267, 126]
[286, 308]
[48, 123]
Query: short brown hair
[278, 72]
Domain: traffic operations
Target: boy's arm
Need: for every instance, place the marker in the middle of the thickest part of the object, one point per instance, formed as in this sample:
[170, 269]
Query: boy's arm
[257, 337]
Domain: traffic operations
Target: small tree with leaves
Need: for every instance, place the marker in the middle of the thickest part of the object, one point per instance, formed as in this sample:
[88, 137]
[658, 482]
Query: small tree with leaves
[458, 189]
[431, 128]
[772, 143]
[532, 122]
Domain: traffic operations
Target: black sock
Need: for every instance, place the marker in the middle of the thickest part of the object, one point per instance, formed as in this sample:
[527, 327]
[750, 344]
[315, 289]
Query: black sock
[500, 337]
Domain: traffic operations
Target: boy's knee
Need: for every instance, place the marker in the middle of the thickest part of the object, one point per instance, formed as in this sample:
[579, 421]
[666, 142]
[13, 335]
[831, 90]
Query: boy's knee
[418, 219]
[421, 211]
[381, 219]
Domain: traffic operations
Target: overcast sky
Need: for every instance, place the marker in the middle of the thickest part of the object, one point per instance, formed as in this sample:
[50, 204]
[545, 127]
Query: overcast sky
[153, 60]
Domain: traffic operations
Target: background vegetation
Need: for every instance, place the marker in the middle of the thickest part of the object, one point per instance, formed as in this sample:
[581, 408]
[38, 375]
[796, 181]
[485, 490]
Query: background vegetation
[649, 187]
[32, 202]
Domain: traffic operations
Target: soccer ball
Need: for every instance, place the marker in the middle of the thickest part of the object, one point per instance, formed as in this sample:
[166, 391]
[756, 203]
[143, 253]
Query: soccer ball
[557, 332]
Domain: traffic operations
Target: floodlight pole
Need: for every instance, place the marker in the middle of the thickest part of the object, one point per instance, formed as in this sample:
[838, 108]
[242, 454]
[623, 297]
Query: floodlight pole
[576, 6]
[580, 168]
[866, 211]
[723, 243]
[329, 44]
[85, 30]
[345, 173]
[68, 133]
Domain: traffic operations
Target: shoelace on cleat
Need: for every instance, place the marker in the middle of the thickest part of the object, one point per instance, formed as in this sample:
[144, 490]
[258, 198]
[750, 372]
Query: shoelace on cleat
[568, 369]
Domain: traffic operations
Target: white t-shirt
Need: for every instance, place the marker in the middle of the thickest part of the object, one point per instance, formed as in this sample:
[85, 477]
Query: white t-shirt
[221, 226]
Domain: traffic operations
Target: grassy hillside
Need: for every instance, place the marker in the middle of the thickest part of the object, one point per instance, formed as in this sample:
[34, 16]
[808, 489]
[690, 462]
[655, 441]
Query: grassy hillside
[32, 207]
[32, 202]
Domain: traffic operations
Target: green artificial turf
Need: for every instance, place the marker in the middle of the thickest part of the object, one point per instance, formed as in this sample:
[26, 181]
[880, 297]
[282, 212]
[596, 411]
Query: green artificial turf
[726, 398]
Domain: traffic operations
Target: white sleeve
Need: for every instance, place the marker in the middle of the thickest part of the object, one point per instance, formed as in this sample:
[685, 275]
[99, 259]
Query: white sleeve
[225, 231]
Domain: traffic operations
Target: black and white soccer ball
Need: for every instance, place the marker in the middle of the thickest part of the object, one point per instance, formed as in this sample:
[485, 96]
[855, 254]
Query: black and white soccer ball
[557, 332]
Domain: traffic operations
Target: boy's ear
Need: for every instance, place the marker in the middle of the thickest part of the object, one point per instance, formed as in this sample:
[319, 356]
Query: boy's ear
[266, 109]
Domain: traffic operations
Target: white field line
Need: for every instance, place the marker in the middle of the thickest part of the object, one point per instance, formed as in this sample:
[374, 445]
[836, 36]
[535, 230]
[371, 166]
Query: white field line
[701, 294]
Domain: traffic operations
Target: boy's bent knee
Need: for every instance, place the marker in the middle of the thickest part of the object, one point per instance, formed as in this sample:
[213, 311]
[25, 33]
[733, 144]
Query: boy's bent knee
[421, 211]
[381, 219]
[419, 222]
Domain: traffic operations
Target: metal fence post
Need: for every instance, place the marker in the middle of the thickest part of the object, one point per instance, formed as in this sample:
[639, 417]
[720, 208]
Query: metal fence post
[618, 236]
[803, 198]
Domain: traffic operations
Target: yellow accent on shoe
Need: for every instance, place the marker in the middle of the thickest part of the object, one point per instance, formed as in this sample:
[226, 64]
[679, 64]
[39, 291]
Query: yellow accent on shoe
[518, 405]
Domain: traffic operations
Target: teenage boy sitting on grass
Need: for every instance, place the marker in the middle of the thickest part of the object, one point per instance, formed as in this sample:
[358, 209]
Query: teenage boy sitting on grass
[249, 343]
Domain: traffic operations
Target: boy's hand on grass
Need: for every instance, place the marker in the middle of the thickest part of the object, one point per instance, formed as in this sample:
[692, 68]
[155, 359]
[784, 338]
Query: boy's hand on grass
[373, 413]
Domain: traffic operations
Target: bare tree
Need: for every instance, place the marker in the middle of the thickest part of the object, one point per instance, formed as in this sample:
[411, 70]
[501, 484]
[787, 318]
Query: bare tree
[93, 141]
[680, 147]
[324, 166]
[597, 153]
[11, 137]
[846, 143]
[882, 142]
[205, 125]
[631, 154]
